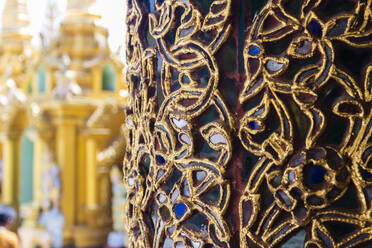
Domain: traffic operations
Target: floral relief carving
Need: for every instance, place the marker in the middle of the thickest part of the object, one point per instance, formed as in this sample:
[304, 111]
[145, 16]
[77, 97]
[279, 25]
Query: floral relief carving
[301, 112]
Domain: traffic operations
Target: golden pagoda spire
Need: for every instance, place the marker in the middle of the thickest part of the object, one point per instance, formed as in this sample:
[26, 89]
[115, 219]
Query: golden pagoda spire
[15, 17]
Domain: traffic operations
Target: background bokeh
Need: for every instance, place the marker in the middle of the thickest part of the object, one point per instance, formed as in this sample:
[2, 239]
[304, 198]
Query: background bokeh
[112, 12]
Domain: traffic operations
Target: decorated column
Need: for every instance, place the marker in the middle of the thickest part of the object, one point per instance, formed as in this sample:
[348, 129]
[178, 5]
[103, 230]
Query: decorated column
[249, 123]
[93, 205]
[68, 118]
[11, 170]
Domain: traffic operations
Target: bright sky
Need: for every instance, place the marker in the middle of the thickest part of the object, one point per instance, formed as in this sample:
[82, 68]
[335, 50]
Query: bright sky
[112, 11]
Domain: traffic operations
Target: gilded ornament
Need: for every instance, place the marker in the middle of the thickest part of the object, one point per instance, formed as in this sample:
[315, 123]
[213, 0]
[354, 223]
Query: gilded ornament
[302, 125]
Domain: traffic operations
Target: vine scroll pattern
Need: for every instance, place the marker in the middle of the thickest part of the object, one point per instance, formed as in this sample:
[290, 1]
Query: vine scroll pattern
[303, 112]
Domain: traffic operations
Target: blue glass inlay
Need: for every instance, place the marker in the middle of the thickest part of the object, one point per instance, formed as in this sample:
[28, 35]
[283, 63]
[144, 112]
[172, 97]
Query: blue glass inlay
[253, 125]
[160, 159]
[160, 2]
[180, 210]
[254, 50]
[316, 174]
[315, 28]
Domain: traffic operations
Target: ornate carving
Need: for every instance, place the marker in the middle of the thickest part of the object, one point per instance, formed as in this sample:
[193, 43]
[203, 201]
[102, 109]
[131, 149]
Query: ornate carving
[182, 193]
[305, 175]
[180, 167]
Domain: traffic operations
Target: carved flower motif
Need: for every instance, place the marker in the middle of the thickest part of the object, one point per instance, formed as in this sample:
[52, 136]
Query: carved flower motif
[313, 179]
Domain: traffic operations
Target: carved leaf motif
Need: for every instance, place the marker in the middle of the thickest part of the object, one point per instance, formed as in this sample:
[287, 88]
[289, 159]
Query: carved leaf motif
[217, 138]
[301, 47]
[218, 13]
[304, 97]
[160, 27]
[190, 24]
[348, 108]
[275, 66]
[248, 202]
[279, 33]
[363, 14]
[165, 137]
[251, 88]
[252, 123]
[317, 122]
[360, 40]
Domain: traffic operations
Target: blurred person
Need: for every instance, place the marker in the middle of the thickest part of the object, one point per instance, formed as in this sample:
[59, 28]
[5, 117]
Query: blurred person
[8, 239]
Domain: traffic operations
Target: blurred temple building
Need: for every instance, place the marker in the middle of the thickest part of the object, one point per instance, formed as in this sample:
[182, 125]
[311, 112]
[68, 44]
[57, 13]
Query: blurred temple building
[61, 110]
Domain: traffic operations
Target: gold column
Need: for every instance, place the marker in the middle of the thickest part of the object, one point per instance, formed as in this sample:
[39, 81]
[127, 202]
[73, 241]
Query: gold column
[11, 171]
[68, 119]
[93, 233]
[91, 153]
[93, 137]
[66, 148]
